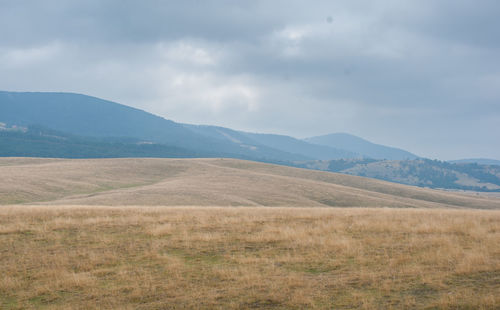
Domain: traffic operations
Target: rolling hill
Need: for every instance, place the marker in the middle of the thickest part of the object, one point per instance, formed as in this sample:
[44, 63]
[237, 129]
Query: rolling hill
[418, 172]
[207, 182]
[479, 161]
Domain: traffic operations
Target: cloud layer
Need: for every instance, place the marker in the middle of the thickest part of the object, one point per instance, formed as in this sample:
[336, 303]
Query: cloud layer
[422, 75]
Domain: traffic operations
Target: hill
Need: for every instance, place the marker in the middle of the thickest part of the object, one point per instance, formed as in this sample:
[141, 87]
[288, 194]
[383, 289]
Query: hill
[361, 146]
[86, 116]
[207, 182]
[479, 161]
[419, 172]
[37, 141]
[293, 145]
[91, 117]
[281, 142]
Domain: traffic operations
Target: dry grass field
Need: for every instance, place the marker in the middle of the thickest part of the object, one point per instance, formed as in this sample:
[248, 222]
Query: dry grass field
[208, 182]
[232, 234]
[91, 257]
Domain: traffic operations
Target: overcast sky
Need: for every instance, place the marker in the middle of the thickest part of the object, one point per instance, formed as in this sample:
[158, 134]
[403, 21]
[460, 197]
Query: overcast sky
[423, 75]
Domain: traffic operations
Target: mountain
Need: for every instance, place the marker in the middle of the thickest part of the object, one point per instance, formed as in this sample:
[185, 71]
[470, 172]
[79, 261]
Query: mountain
[37, 141]
[66, 125]
[281, 142]
[361, 146]
[479, 161]
[87, 116]
[418, 172]
[252, 143]
[293, 145]
[207, 182]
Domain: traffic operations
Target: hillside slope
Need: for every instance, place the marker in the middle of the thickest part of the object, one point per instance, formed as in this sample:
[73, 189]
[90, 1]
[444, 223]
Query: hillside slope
[43, 142]
[293, 145]
[207, 182]
[418, 172]
[283, 143]
[479, 161]
[88, 116]
[361, 146]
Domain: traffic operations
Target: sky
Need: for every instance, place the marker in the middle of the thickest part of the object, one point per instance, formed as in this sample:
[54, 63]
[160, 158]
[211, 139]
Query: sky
[422, 75]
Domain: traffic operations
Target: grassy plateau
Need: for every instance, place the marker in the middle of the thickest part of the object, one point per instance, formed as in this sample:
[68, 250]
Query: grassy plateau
[228, 234]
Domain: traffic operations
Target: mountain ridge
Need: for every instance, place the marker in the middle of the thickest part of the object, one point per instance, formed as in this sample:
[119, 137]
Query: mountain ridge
[93, 117]
[282, 142]
[361, 146]
[89, 116]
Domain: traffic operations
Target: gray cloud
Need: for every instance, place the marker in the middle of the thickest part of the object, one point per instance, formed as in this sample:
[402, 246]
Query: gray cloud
[422, 75]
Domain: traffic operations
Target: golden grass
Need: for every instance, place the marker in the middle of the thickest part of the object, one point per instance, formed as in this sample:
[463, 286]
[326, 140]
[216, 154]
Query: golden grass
[207, 182]
[83, 257]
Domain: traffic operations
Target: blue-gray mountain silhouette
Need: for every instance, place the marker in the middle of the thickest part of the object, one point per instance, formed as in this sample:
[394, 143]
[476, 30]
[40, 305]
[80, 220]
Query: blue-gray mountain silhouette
[361, 146]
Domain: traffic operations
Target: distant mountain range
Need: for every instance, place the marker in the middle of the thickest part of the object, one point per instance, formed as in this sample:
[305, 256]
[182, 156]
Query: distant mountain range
[361, 146]
[78, 126]
[284, 143]
[87, 116]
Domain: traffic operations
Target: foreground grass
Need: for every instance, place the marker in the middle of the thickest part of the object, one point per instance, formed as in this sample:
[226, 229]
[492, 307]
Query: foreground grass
[154, 258]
